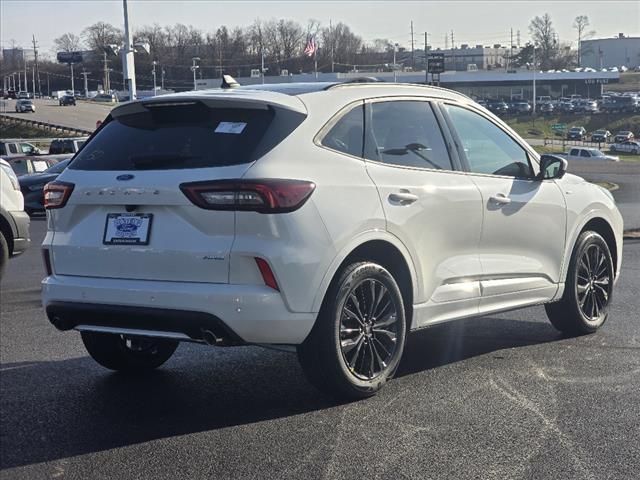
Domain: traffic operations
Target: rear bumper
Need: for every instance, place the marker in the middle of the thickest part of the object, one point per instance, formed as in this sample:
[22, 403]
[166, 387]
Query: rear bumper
[243, 313]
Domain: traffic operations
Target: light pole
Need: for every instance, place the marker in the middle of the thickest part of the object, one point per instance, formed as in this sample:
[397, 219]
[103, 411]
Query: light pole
[194, 68]
[73, 90]
[153, 72]
[162, 79]
[128, 64]
[395, 48]
[533, 111]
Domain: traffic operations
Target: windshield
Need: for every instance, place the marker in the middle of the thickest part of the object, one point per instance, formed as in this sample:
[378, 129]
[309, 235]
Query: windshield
[597, 153]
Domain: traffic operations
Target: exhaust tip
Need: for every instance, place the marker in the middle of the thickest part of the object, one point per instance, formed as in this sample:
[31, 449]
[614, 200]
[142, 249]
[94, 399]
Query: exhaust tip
[211, 338]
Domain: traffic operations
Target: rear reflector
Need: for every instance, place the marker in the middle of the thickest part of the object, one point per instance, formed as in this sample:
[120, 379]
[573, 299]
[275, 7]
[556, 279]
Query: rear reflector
[262, 195]
[267, 274]
[46, 258]
[56, 194]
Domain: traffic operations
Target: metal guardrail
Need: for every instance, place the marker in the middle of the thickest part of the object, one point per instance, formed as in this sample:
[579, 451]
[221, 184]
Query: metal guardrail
[550, 141]
[45, 125]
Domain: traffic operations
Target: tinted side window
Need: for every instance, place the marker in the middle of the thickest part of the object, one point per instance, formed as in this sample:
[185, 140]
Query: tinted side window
[3, 149]
[584, 153]
[574, 151]
[406, 133]
[13, 148]
[488, 149]
[347, 134]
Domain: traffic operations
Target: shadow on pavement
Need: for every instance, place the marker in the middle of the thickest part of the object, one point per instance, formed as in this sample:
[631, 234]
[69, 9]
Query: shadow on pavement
[59, 409]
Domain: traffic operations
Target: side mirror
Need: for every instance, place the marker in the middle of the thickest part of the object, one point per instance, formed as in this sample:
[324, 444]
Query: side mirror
[552, 166]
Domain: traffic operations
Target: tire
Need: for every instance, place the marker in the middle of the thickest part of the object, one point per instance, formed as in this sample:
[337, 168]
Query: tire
[4, 253]
[345, 355]
[129, 355]
[580, 313]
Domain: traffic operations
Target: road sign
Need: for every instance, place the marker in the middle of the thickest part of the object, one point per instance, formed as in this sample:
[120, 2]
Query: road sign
[559, 126]
[436, 63]
[69, 57]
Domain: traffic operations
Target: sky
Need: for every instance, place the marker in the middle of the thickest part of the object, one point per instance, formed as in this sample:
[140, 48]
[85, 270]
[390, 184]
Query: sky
[472, 22]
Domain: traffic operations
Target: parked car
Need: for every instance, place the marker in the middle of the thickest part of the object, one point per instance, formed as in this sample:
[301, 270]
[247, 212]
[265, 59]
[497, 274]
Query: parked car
[498, 107]
[194, 218]
[14, 222]
[585, 106]
[25, 106]
[566, 107]
[601, 136]
[619, 103]
[23, 95]
[67, 100]
[576, 133]
[626, 147]
[10, 93]
[32, 186]
[546, 108]
[623, 136]
[66, 145]
[590, 154]
[25, 165]
[520, 107]
[17, 148]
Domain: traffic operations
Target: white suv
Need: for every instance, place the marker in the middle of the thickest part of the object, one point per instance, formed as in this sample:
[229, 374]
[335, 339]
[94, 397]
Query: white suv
[14, 222]
[333, 218]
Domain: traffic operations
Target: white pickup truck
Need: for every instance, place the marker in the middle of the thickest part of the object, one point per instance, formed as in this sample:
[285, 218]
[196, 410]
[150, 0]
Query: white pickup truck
[584, 153]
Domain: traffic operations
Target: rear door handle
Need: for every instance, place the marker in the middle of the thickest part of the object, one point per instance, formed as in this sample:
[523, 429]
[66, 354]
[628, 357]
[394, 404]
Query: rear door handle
[402, 199]
[500, 199]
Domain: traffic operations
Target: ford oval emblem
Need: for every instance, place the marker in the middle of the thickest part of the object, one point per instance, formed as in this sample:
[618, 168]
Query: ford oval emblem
[124, 178]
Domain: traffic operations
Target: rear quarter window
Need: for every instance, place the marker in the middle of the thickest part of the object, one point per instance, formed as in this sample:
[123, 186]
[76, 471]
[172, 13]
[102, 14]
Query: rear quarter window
[183, 136]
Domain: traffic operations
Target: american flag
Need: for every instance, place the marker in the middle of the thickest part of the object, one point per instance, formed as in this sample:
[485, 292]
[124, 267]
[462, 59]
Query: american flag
[311, 47]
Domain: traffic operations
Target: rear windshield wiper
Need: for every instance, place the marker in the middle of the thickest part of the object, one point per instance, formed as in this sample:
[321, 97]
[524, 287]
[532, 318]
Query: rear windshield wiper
[154, 160]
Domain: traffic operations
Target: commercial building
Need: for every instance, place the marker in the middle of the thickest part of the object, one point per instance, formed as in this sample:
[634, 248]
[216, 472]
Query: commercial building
[479, 57]
[610, 52]
[478, 84]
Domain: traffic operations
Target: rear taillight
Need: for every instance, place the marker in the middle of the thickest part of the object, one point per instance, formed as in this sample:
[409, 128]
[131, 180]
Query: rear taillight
[46, 258]
[263, 195]
[56, 194]
[267, 274]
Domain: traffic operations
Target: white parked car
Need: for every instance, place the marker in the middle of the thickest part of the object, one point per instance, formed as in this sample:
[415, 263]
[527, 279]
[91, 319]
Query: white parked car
[626, 147]
[586, 154]
[14, 222]
[329, 218]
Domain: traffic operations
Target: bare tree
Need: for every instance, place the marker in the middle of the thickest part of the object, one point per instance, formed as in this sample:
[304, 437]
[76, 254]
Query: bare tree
[544, 36]
[101, 34]
[67, 42]
[580, 24]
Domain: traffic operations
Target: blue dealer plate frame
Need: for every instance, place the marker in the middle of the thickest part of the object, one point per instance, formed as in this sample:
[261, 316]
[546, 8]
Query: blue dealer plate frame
[127, 229]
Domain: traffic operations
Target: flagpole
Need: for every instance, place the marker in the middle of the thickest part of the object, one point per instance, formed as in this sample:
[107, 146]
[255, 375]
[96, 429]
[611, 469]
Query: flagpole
[315, 61]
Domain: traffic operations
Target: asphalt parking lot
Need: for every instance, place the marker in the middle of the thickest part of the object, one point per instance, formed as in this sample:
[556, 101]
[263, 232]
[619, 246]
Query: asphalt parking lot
[497, 397]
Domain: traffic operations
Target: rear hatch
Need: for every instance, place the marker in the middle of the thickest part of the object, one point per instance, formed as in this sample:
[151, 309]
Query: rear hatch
[127, 217]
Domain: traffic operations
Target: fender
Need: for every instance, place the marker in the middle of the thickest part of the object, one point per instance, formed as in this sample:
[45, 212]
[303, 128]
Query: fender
[360, 239]
[584, 217]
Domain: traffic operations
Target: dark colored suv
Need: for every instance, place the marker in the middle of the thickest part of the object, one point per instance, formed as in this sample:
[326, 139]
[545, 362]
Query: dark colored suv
[67, 100]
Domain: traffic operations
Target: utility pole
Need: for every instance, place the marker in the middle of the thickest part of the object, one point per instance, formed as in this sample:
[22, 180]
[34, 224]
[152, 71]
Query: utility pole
[333, 41]
[48, 89]
[86, 85]
[426, 59]
[453, 44]
[518, 38]
[73, 90]
[105, 73]
[26, 80]
[194, 68]
[510, 51]
[162, 79]
[35, 59]
[395, 47]
[533, 111]
[262, 65]
[446, 41]
[128, 64]
[153, 72]
[413, 60]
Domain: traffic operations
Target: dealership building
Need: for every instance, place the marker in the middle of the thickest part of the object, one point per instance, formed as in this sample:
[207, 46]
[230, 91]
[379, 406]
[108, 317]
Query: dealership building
[478, 84]
[610, 52]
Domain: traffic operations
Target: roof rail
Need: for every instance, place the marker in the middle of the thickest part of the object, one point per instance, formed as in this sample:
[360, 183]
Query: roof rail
[365, 82]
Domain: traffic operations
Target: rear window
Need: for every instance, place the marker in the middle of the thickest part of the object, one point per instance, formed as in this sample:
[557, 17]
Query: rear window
[61, 146]
[176, 137]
